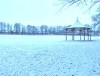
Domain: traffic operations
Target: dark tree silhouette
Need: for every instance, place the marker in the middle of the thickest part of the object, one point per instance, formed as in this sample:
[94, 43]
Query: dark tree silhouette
[44, 29]
[29, 29]
[2, 27]
[59, 29]
[35, 30]
[17, 28]
[9, 28]
[23, 30]
[52, 30]
[96, 25]
[96, 19]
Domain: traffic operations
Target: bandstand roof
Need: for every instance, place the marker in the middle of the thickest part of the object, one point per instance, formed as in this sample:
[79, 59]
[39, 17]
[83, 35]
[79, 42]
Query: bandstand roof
[77, 24]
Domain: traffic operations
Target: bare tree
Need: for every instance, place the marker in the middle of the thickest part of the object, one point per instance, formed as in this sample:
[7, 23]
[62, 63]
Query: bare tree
[96, 25]
[96, 19]
[79, 2]
[44, 29]
[34, 30]
[52, 30]
[17, 28]
[9, 28]
[2, 27]
[59, 29]
[29, 29]
[23, 29]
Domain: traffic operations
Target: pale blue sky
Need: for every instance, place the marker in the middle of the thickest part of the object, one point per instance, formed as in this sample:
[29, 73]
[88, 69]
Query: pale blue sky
[38, 12]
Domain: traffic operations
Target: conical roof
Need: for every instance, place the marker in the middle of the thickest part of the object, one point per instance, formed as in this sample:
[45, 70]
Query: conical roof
[77, 24]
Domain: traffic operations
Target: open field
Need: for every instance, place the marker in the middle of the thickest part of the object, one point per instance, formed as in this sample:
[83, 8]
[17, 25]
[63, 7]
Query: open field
[25, 55]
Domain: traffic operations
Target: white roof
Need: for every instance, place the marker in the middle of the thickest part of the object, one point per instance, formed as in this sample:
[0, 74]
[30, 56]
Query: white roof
[77, 24]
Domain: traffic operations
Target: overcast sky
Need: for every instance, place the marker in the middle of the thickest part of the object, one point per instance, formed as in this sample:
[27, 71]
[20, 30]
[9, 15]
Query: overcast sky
[38, 12]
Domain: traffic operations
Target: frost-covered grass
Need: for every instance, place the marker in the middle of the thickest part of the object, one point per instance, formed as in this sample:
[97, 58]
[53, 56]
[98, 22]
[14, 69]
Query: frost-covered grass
[22, 55]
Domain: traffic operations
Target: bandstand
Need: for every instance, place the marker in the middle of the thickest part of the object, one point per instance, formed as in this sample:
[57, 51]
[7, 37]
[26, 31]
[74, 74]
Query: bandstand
[78, 29]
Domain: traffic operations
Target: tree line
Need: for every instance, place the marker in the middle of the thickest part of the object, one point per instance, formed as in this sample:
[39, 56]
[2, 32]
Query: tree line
[18, 28]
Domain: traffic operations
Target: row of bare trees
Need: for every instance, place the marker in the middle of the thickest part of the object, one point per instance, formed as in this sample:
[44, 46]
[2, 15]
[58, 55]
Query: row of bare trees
[18, 28]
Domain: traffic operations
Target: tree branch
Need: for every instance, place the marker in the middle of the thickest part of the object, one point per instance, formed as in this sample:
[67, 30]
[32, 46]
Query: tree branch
[79, 2]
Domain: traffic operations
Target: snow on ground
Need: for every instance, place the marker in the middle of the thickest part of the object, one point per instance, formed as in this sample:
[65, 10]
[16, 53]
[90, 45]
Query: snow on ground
[24, 55]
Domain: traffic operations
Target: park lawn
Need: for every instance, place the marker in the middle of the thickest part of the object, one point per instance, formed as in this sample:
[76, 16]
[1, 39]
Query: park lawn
[48, 55]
